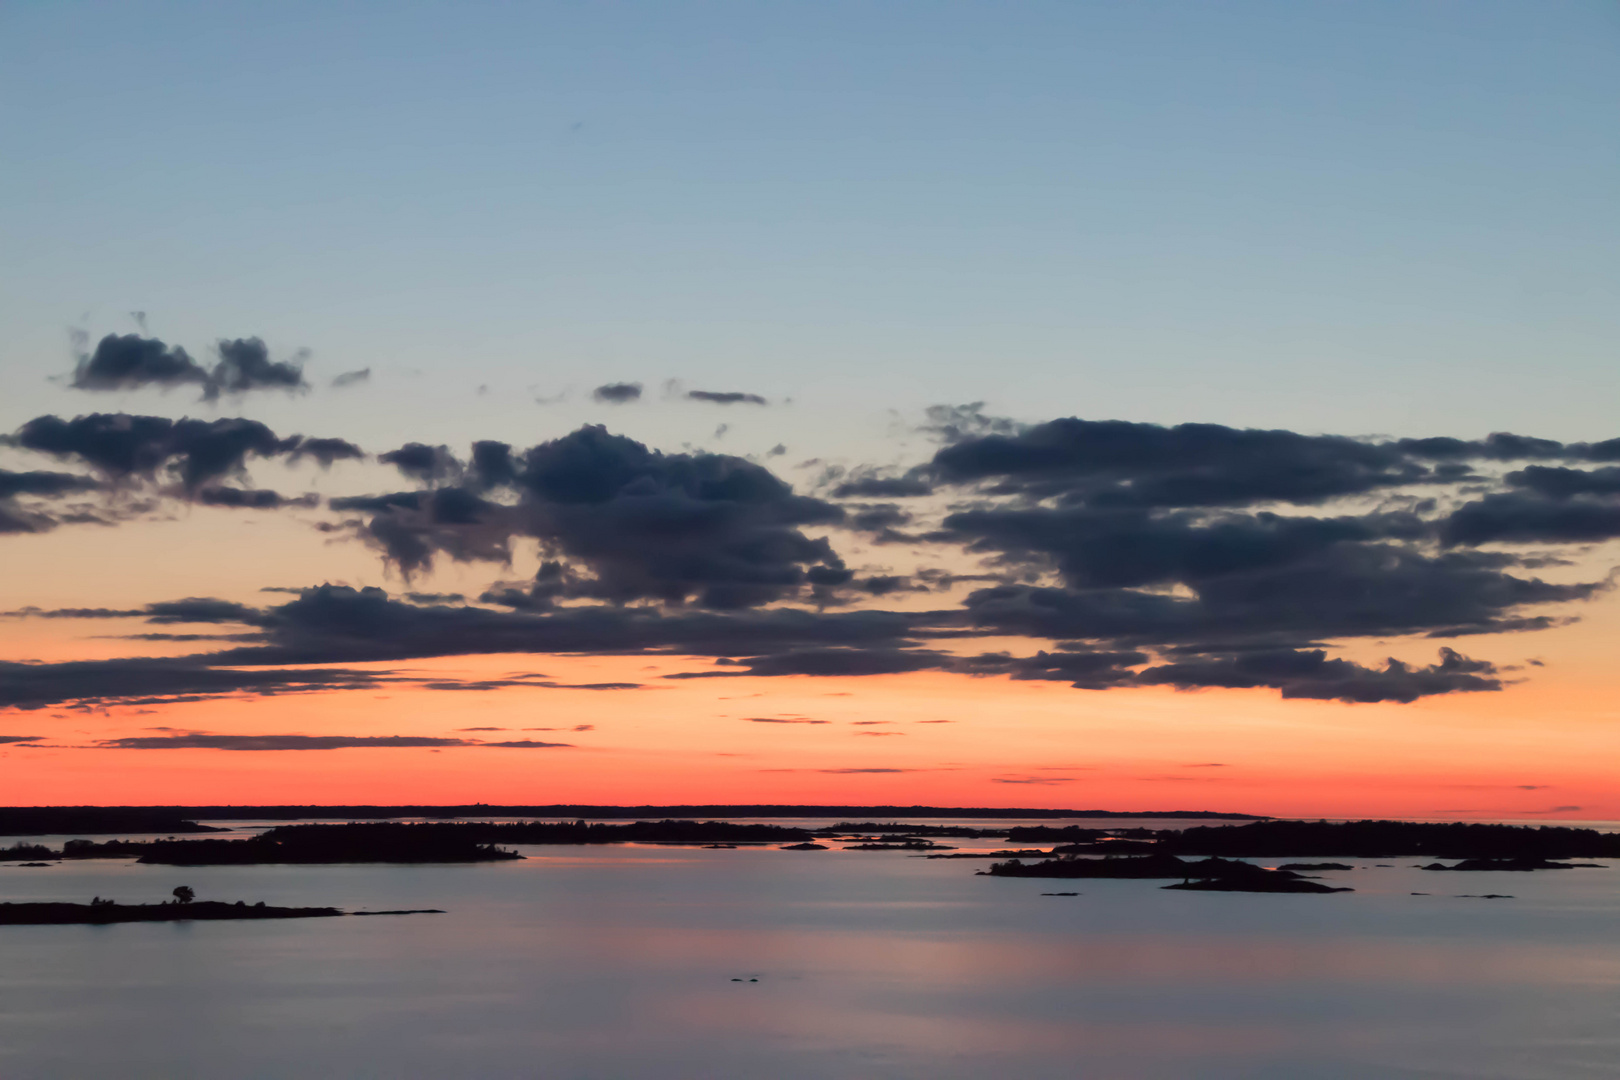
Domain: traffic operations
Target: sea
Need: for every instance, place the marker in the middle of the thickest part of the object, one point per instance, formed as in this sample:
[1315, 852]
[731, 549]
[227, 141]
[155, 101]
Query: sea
[645, 962]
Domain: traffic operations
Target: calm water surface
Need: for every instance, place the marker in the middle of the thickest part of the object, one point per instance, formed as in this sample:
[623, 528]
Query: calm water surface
[618, 963]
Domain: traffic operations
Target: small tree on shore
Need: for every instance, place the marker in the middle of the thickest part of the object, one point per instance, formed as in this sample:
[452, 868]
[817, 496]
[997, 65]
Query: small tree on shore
[185, 894]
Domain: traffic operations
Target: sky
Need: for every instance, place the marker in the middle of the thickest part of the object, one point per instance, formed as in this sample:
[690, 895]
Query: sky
[1150, 406]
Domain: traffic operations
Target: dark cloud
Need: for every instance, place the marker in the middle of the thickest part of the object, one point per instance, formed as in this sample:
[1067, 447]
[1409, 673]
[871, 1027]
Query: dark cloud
[1311, 674]
[882, 487]
[200, 610]
[197, 741]
[882, 522]
[253, 499]
[885, 584]
[274, 742]
[622, 523]
[31, 686]
[1189, 556]
[1113, 463]
[324, 451]
[827, 662]
[337, 624]
[1347, 591]
[1032, 780]
[853, 772]
[20, 738]
[1116, 463]
[1163, 535]
[617, 393]
[194, 452]
[1560, 482]
[351, 378]
[527, 744]
[245, 365]
[718, 397]
[784, 720]
[492, 464]
[955, 423]
[1531, 517]
[422, 462]
[129, 361]
[46, 485]
[409, 500]
[1097, 670]
[35, 486]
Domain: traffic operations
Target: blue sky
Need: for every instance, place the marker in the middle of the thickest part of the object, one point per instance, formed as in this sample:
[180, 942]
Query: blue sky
[1379, 217]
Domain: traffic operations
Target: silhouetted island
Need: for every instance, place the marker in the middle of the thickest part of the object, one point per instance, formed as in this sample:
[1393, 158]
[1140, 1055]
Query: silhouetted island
[106, 911]
[1519, 865]
[1136, 866]
[422, 842]
[1315, 866]
[1212, 874]
[96, 821]
[304, 844]
[601, 812]
[20, 851]
[1268, 881]
[1391, 839]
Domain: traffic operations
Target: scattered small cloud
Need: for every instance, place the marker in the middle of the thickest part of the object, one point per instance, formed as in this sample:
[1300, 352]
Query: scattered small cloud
[351, 378]
[720, 397]
[197, 741]
[618, 393]
[1032, 780]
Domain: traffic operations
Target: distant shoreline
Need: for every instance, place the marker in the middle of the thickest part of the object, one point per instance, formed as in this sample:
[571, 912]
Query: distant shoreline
[26, 820]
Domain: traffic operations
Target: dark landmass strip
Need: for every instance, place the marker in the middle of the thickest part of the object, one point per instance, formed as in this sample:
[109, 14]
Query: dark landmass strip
[55, 914]
[97, 821]
[404, 911]
[1220, 875]
[477, 841]
[21, 851]
[1267, 881]
[1135, 866]
[806, 846]
[369, 843]
[572, 810]
[1354, 839]
[422, 842]
[862, 828]
[1109, 846]
[1316, 866]
[1392, 839]
[1515, 865]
